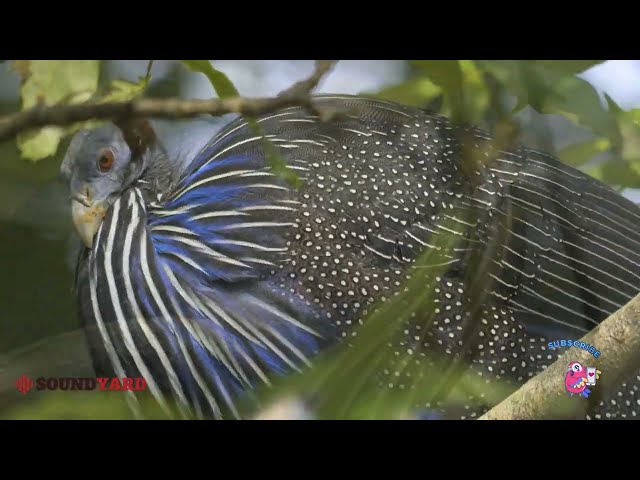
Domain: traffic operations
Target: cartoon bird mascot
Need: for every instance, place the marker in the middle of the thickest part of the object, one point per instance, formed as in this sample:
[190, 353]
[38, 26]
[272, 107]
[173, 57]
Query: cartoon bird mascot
[575, 381]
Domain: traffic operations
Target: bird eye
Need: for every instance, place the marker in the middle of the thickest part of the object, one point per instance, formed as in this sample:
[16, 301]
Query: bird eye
[577, 367]
[105, 160]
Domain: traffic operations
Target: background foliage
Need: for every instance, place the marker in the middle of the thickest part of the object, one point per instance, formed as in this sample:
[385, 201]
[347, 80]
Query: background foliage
[541, 102]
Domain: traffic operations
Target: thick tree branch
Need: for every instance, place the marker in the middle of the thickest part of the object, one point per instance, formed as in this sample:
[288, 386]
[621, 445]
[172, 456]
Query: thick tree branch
[60, 115]
[617, 338]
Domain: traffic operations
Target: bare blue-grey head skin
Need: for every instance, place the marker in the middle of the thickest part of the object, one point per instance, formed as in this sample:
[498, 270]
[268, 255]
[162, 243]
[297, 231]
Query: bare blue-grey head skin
[93, 190]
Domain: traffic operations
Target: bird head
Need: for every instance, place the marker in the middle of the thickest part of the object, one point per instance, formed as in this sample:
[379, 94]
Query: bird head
[98, 166]
[575, 369]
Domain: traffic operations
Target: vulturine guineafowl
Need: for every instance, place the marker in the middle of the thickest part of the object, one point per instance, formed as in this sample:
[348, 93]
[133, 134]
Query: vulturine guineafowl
[208, 277]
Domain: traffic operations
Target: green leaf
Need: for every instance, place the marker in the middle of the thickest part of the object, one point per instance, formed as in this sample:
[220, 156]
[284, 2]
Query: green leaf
[21, 67]
[523, 79]
[614, 108]
[50, 82]
[618, 174]
[123, 90]
[508, 73]
[579, 101]
[220, 82]
[552, 92]
[580, 153]
[40, 144]
[279, 166]
[568, 67]
[416, 91]
[629, 148]
[275, 161]
[225, 88]
[477, 95]
[82, 405]
[344, 382]
[120, 91]
[447, 74]
[466, 96]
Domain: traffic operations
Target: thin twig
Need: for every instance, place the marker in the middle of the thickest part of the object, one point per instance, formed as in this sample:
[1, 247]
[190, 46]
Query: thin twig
[149, 67]
[308, 84]
[302, 87]
[61, 115]
[618, 340]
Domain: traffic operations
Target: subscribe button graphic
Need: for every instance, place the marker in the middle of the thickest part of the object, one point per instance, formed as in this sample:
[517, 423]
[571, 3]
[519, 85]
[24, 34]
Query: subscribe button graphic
[24, 384]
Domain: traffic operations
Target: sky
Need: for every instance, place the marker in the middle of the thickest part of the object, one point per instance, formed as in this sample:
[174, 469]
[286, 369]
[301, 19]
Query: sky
[619, 78]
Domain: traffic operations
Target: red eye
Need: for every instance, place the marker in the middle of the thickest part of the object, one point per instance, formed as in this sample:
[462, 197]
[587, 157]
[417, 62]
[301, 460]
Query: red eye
[105, 160]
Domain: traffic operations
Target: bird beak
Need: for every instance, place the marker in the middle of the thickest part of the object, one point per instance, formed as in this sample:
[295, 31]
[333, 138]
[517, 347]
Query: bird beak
[87, 217]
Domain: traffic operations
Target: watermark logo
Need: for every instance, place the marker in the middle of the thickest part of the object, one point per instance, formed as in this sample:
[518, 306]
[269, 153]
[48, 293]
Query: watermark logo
[578, 378]
[24, 384]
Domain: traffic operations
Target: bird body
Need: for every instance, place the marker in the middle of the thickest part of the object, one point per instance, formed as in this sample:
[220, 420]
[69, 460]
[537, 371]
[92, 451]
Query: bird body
[210, 278]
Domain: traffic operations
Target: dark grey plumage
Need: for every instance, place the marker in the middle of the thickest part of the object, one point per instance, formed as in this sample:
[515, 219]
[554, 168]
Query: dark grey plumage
[561, 249]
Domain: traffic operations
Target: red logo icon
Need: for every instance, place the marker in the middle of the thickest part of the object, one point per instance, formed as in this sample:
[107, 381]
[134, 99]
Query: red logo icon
[24, 384]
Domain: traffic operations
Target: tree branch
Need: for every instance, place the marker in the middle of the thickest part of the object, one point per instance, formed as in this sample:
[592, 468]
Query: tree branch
[60, 115]
[617, 338]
